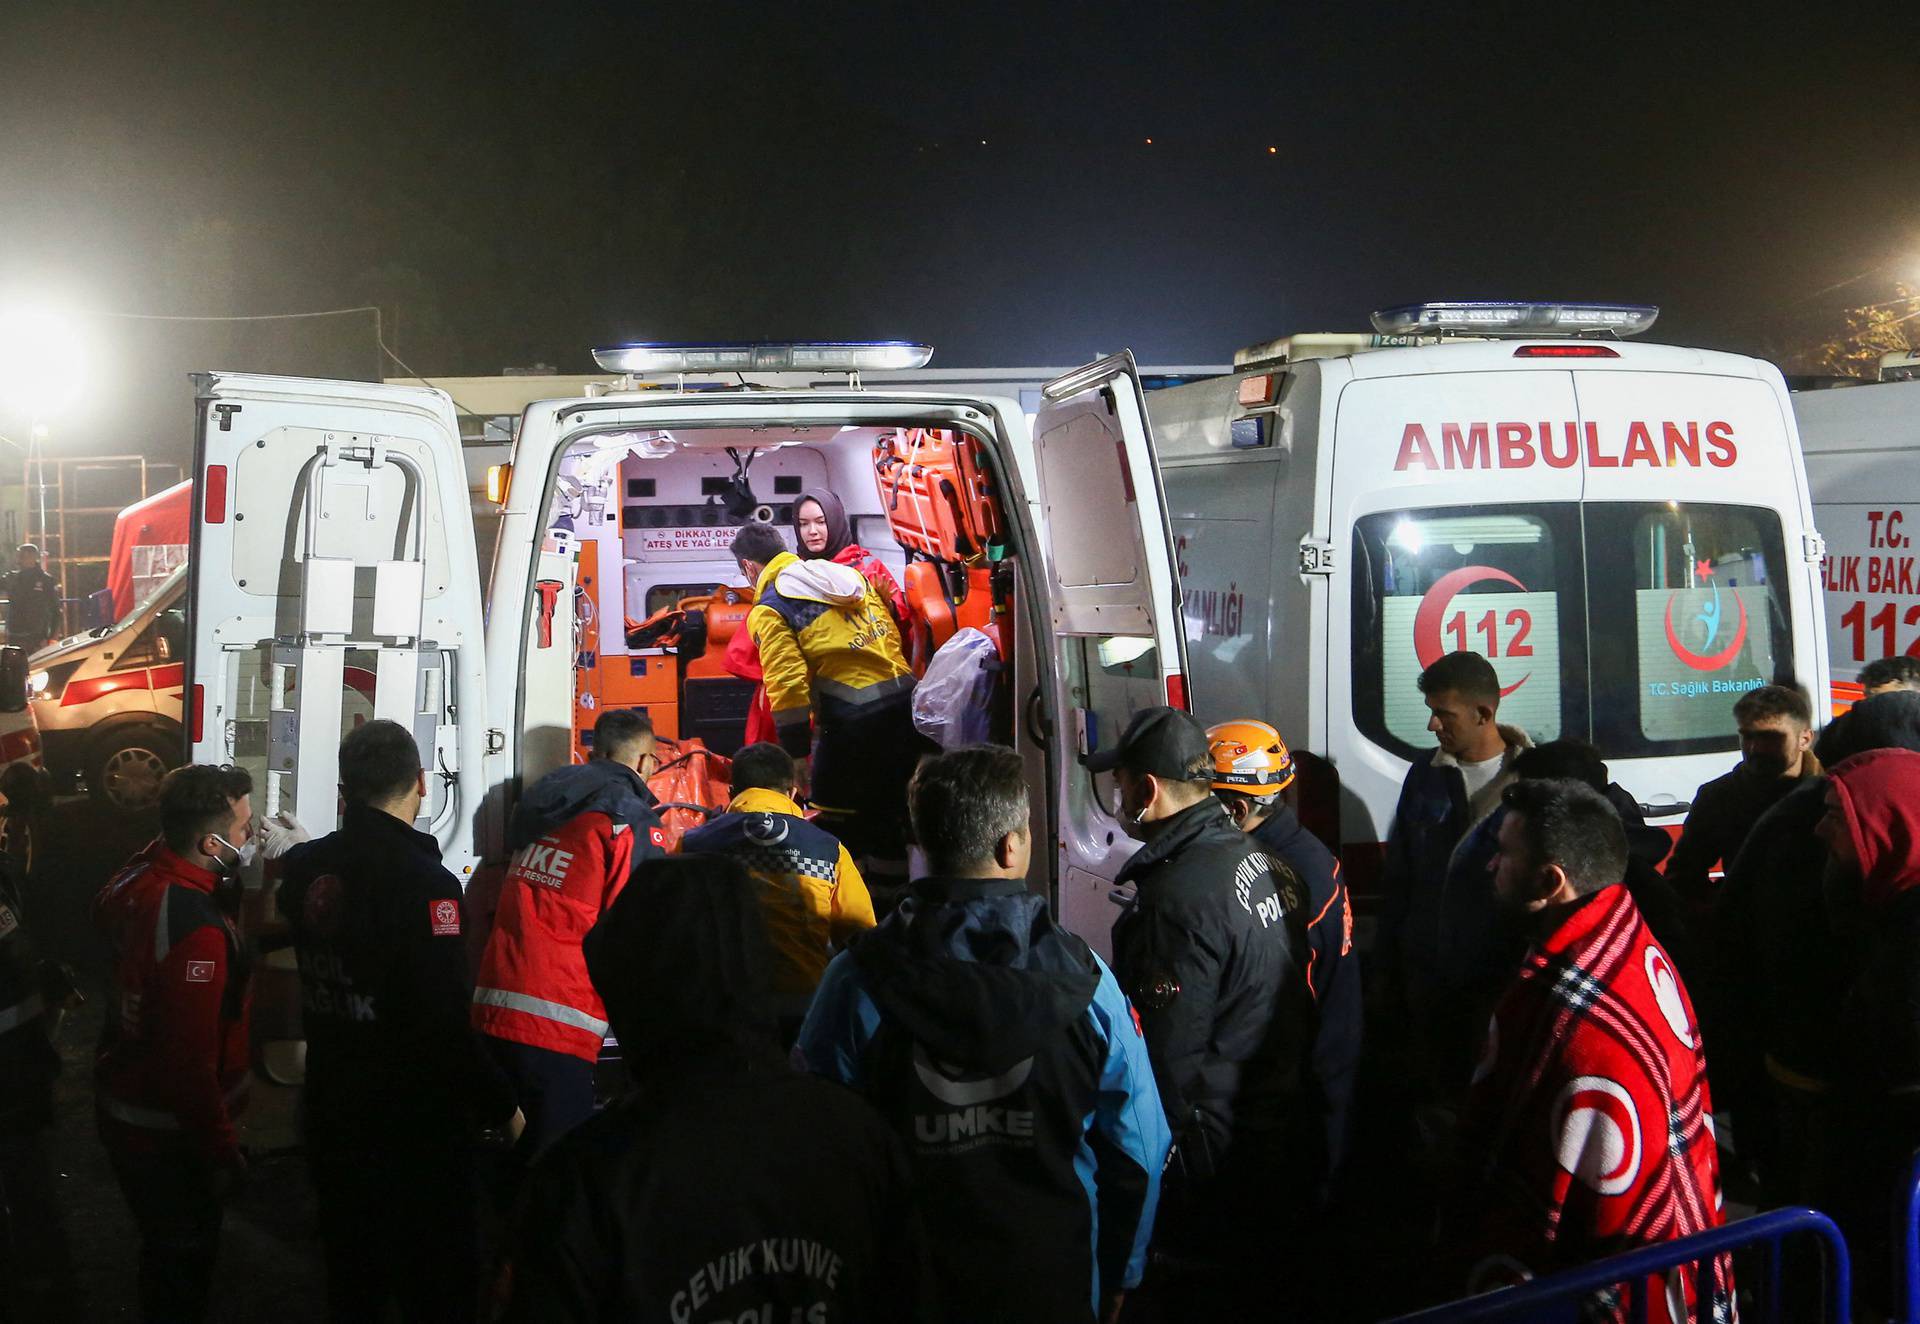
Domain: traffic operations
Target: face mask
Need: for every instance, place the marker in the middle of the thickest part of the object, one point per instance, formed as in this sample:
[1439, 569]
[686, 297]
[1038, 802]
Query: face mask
[242, 855]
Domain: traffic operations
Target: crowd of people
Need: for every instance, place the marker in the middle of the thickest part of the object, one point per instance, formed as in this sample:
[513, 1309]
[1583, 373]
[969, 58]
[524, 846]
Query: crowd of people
[934, 1101]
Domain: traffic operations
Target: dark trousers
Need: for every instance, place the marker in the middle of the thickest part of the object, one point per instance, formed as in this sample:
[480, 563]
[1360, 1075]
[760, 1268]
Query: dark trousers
[36, 1265]
[399, 1226]
[861, 767]
[170, 1192]
[555, 1090]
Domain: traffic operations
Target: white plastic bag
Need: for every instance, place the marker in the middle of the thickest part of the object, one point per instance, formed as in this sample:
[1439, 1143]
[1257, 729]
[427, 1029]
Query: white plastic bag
[952, 701]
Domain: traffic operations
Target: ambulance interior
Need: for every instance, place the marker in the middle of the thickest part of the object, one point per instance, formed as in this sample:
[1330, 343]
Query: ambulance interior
[638, 595]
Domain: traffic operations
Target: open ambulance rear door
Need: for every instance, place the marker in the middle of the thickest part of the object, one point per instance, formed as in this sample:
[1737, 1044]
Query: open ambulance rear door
[1113, 607]
[333, 576]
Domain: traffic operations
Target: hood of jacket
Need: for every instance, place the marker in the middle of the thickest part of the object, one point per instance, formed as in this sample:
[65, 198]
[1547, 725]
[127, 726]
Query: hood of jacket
[977, 972]
[839, 527]
[682, 962]
[815, 581]
[598, 786]
[1885, 721]
[1515, 738]
[1879, 794]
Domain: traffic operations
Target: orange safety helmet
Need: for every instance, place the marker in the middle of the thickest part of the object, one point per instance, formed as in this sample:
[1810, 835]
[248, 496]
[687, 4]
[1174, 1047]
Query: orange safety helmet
[1249, 758]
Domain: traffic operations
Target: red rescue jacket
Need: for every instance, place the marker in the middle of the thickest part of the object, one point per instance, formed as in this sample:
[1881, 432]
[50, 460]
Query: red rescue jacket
[173, 1059]
[533, 987]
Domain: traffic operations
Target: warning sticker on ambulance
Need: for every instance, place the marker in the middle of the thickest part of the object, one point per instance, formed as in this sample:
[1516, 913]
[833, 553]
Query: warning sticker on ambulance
[707, 540]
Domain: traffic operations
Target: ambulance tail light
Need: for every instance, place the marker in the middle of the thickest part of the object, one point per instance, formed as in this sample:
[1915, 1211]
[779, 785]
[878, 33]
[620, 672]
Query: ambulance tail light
[216, 494]
[1565, 352]
[1515, 319]
[765, 356]
[499, 483]
[1257, 390]
[197, 713]
[1177, 693]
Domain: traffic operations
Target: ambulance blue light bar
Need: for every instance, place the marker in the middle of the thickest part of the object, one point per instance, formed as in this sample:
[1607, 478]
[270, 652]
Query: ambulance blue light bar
[1515, 319]
[765, 356]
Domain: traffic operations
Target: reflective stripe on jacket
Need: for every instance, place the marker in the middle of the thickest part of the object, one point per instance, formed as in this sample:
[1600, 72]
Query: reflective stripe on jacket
[533, 987]
[827, 642]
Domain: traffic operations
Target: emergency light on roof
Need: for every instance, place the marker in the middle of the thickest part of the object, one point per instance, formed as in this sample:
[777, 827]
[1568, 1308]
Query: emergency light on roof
[819, 356]
[1515, 319]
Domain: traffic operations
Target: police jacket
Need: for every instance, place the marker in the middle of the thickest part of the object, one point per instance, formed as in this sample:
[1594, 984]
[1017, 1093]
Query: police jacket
[384, 992]
[813, 895]
[1212, 951]
[173, 1061]
[827, 644]
[1002, 1051]
[1333, 968]
[732, 1189]
[576, 837]
[28, 1061]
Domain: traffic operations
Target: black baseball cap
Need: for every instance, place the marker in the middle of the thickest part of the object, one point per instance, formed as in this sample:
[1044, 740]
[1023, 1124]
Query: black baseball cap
[1161, 742]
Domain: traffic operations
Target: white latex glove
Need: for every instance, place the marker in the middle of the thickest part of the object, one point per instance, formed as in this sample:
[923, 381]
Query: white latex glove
[280, 834]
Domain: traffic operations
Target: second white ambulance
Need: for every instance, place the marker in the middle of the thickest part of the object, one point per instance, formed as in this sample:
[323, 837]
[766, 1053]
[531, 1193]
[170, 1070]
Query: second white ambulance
[1623, 529]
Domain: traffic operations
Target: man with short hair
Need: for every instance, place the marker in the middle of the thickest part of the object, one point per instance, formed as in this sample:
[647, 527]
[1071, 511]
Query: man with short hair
[1588, 1128]
[1002, 1050]
[173, 1064]
[33, 600]
[839, 687]
[576, 837]
[398, 1084]
[1776, 738]
[1253, 772]
[1441, 798]
[728, 1186]
[1212, 949]
[811, 894]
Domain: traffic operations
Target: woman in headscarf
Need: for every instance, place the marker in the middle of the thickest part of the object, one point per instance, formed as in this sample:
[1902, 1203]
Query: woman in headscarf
[821, 531]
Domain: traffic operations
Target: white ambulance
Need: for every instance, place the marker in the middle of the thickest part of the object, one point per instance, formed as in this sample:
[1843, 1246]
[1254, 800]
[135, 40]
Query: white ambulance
[332, 532]
[1623, 529]
[1863, 460]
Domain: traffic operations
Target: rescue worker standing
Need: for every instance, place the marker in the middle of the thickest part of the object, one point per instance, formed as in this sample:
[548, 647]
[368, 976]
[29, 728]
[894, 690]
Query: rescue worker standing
[172, 1068]
[811, 894]
[832, 657]
[36, 1269]
[1002, 1050]
[397, 1081]
[1252, 770]
[576, 837]
[33, 600]
[1212, 950]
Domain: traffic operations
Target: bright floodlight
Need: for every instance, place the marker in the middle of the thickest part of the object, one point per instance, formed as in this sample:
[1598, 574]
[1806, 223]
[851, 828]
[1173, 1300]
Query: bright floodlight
[42, 362]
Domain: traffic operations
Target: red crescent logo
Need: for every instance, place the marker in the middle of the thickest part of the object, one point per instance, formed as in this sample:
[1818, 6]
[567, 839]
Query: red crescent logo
[1596, 1134]
[1433, 608]
[1693, 659]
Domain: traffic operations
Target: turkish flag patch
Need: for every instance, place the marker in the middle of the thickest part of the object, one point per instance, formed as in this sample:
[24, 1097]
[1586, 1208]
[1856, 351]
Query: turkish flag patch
[658, 836]
[446, 919]
[199, 972]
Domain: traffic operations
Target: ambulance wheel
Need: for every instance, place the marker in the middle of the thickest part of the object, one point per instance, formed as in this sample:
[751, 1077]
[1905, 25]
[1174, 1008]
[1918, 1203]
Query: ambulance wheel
[125, 771]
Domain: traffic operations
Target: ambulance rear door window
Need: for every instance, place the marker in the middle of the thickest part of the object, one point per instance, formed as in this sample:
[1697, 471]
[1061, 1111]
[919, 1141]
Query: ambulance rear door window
[1502, 581]
[1687, 617]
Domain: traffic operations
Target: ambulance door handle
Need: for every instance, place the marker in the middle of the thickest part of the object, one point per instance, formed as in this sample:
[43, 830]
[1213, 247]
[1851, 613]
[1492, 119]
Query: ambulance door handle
[1037, 726]
[1666, 809]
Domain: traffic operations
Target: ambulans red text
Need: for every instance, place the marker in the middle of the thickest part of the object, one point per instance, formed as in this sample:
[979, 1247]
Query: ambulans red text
[1564, 445]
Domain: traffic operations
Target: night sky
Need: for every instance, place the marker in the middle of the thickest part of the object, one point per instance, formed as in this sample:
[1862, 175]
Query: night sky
[515, 183]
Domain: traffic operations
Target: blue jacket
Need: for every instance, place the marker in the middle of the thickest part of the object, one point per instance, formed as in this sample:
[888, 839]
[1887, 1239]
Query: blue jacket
[1003, 1052]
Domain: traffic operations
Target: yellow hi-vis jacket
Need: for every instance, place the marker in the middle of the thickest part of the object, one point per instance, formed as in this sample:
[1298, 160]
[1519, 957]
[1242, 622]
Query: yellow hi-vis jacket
[811, 893]
[827, 644]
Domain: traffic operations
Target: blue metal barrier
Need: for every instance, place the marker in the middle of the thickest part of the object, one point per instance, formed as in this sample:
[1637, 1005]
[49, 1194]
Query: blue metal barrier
[1906, 1240]
[1558, 1296]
